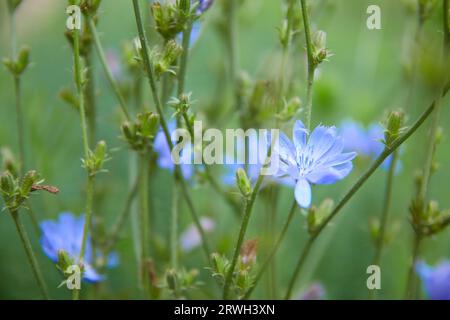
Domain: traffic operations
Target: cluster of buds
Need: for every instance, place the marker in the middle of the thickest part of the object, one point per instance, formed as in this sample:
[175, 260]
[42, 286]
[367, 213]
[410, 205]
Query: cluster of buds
[18, 65]
[290, 109]
[9, 162]
[163, 60]
[181, 105]
[96, 159]
[320, 51]
[428, 220]
[13, 4]
[394, 127]
[182, 281]
[316, 215]
[389, 234]
[172, 18]
[16, 191]
[141, 134]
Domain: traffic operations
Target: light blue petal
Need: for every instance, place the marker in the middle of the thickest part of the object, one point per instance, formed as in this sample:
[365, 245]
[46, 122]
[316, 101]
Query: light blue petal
[299, 135]
[303, 193]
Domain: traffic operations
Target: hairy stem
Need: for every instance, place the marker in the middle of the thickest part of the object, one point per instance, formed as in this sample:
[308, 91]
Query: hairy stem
[30, 254]
[311, 65]
[84, 129]
[357, 186]
[157, 101]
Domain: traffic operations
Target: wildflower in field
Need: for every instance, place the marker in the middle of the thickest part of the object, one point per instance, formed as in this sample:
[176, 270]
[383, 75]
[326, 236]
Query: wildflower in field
[319, 160]
[366, 142]
[190, 238]
[435, 280]
[204, 5]
[165, 160]
[66, 234]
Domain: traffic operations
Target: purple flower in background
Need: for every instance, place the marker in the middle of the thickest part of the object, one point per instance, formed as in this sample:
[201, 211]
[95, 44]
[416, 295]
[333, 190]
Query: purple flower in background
[66, 234]
[204, 5]
[315, 292]
[319, 160]
[190, 238]
[165, 160]
[436, 280]
[366, 142]
[113, 61]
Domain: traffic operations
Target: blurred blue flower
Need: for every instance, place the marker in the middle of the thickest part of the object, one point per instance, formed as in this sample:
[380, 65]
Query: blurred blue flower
[436, 280]
[66, 234]
[366, 142]
[165, 160]
[315, 292]
[191, 238]
[319, 160]
[204, 5]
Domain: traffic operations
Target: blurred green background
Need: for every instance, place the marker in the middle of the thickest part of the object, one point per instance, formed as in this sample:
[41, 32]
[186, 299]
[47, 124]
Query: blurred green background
[364, 78]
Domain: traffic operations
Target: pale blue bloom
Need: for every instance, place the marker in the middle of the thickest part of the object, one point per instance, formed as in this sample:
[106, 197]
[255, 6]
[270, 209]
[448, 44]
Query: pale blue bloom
[191, 238]
[436, 280]
[204, 5]
[66, 234]
[366, 142]
[164, 153]
[315, 292]
[319, 160]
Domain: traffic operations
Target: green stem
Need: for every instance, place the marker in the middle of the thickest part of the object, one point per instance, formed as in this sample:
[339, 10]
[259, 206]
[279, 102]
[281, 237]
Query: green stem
[20, 126]
[174, 228]
[107, 70]
[144, 222]
[248, 206]
[359, 183]
[286, 46]
[411, 282]
[311, 64]
[384, 215]
[274, 251]
[299, 267]
[157, 101]
[184, 59]
[90, 179]
[30, 254]
[114, 236]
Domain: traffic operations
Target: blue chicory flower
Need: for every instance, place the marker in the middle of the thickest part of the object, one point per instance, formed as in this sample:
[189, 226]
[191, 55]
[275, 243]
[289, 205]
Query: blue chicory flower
[319, 160]
[436, 280]
[66, 234]
[366, 142]
[315, 292]
[165, 160]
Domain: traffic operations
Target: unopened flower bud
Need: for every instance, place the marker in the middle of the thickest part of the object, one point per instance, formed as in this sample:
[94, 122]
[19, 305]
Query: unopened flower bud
[30, 178]
[243, 182]
[172, 280]
[394, 126]
[7, 183]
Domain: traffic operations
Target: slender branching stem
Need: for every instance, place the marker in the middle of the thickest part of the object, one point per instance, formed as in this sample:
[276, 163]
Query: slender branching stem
[106, 68]
[274, 250]
[381, 236]
[17, 92]
[157, 101]
[85, 139]
[118, 226]
[311, 64]
[30, 254]
[248, 207]
[357, 186]
[144, 221]
[174, 227]
[411, 281]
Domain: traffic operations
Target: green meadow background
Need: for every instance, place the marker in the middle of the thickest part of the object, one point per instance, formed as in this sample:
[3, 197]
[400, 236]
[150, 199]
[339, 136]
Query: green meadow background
[364, 78]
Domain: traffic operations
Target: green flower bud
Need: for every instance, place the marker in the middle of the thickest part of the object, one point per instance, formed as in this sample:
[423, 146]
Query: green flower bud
[394, 127]
[291, 108]
[100, 151]
[243, 182]
[172, 280]
[7, 184]
[31, 178]
[64, 261]
[319, 42]
[8, 161]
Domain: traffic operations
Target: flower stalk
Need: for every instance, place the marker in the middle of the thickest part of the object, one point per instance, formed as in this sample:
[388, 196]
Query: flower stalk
[355, 188]
[157, 101]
